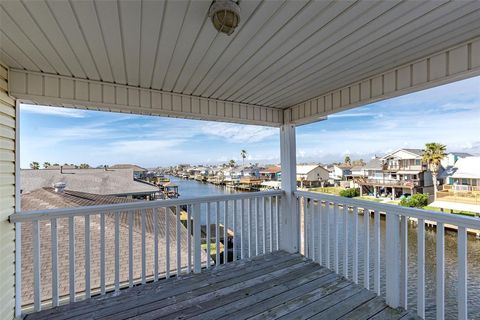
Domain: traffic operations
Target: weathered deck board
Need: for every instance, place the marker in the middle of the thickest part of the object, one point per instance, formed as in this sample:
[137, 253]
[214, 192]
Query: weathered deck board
[277, 285]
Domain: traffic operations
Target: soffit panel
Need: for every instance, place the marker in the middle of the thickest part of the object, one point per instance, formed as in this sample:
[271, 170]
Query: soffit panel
[283, 53]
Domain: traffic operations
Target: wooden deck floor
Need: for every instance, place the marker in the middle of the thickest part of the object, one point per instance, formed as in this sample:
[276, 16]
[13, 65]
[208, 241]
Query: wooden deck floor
[274, 286]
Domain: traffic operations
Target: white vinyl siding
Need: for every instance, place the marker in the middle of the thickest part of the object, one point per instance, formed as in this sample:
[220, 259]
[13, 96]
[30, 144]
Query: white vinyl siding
[7, 198]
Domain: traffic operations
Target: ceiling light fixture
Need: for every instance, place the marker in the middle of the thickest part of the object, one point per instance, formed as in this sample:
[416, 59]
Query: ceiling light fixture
[225, 15]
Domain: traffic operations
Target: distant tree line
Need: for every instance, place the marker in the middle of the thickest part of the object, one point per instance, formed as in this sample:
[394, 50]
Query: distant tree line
[36, 165]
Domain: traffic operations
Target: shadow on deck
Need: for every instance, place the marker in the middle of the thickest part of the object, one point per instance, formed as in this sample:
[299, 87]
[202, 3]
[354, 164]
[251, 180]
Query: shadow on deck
[273, 286]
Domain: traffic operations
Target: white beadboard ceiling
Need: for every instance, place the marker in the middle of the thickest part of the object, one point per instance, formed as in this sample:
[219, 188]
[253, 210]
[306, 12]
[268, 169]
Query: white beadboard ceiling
[283, 53]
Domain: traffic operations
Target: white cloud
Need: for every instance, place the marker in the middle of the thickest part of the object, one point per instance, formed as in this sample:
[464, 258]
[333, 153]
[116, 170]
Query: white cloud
[53, 111]
[353, 115]
[237, 133]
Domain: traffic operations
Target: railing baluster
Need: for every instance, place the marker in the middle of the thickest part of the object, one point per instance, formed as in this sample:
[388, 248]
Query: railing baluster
[130, 249]
[335, 237]
[257, 226]
[318, 214]
[167, 242]
[312, 230]
[54, 247]
[189, 239]
[217, 234]
[117, 251]
[225, 233]
[155, 244]
[366, 252]
[421, 268]
[102, 253]
[249, 224]
[345, 241]
[305, 244]
[327, 235]
[234, 227]
[440, 297]
[404, 261]
[209, 237]
[355, 245]
[242, 231]
[197, 245]
[271, 223]
[462, 273]
[144, 261]
[37, 299]
[87, 257]
[178, 239]
[277, 213]
[71, 258]
[264, 225]
[377, 242]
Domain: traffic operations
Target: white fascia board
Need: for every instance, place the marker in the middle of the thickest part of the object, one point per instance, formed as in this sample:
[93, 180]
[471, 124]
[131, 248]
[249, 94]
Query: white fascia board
[54, 90]
[456, 63]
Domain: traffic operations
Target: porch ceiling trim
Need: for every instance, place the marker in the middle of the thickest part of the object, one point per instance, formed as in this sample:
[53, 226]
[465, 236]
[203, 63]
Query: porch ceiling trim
[61, 91]
[456, 63]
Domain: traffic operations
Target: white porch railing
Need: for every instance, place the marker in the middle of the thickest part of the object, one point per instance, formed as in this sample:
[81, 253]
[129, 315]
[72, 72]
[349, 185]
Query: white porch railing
[322, 215]
[75, 253]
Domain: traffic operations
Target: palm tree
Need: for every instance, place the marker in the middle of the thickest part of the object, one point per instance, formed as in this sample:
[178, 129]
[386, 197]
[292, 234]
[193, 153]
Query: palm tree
[432, 156]
[46, 165]
[231, 163]
[34, 165]
[243, 154]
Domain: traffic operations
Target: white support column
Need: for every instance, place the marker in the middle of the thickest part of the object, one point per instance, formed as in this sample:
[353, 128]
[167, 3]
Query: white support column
[392, 262]
[289, 223]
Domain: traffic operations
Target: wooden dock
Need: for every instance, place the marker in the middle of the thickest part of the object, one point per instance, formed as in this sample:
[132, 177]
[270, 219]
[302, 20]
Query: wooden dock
[273, 286]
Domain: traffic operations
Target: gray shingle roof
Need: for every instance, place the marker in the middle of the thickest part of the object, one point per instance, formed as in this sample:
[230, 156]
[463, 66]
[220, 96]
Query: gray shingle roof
[134, 167]
[418, 152]
[374, 164]
[97, 181]
[47, 198]
[462, 154]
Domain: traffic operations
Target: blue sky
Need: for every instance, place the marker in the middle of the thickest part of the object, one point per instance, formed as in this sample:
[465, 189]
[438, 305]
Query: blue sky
[449, 114]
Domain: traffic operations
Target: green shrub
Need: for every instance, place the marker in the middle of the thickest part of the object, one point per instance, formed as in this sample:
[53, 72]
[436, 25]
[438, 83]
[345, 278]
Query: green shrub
[350, 192]
[418, 200]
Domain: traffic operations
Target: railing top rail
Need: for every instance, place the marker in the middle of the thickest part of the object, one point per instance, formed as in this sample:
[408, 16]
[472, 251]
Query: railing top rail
[457, 220]
[20, 216]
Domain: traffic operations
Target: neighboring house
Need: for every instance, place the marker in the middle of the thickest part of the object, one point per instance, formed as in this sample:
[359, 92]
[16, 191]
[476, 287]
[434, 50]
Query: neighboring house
[138, 172]
[452, 157]
[232, 176]
[397, 173]
[461, 188]
[342, 171]
[114, 182]
[47, 198]
[272, 173]
[465, 175]
[358, 171]
[311, 175]
[246, 171]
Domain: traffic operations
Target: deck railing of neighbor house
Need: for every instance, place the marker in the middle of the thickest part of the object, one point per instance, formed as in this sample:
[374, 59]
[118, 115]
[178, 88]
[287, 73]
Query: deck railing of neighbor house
[136, 227]
[460, 188]
[327, 216]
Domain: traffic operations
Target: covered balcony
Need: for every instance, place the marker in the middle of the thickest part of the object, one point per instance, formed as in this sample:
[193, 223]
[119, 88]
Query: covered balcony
[294, 254]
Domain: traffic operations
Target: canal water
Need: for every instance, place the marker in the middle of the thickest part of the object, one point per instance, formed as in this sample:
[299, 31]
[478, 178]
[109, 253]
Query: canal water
[191, 189]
